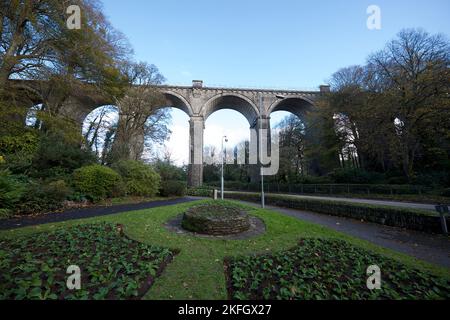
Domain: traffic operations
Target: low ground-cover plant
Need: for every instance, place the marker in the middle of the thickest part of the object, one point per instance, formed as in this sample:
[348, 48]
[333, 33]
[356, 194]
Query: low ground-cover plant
[327, 269]
[421, 220]
[96, 182]
[112, 266]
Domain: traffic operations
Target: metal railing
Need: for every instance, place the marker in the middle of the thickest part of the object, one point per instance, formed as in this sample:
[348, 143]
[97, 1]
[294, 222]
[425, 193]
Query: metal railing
[328, 189]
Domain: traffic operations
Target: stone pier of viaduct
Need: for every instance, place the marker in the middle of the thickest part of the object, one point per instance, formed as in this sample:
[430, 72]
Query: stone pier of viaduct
[199, 102]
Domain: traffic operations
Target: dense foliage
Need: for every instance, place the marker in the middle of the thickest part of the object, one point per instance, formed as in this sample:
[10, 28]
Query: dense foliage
[57, 157]
[172, 188]
[43, 197]
[138, 178]
[96, 181]
[168, 171]
[393, 112]
[314, 271]
[41, 142]
[385, 122]
[11, 191]
[34, 268]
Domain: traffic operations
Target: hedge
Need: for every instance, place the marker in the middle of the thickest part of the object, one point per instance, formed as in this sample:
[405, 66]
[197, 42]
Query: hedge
[200, 192]
[420, 220]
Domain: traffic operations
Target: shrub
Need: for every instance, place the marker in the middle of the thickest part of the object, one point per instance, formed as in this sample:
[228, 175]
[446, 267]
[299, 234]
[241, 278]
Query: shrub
[18, 163]
[96, 182]
[139, 179]
[397, 180]
[40, 197]
[420, 220]
[56, 157]
[204, 191]
[433, 179]
[172, 188]
[11, 191]
[446, 192]
[355, 176]
[25, 142]
[314, 180]
[168, 171]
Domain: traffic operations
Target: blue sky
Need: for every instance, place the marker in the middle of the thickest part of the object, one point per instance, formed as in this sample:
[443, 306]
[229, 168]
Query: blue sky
[257, 43]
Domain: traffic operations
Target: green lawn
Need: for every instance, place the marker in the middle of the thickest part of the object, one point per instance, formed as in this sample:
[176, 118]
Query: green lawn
[197, 272]
[130, 200]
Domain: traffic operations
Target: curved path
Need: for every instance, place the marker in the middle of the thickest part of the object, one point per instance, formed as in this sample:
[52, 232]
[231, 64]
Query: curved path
[432, 248]
[412, 205]
[86, 213]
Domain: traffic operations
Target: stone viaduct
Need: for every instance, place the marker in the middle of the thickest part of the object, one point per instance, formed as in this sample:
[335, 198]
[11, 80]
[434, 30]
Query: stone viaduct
[199, 102]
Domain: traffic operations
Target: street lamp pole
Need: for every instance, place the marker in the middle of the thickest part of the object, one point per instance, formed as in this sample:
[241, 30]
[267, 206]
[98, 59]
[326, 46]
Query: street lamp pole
[224, 138]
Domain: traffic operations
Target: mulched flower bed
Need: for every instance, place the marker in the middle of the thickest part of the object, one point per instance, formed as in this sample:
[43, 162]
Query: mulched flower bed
[327, 269]
[112, 265]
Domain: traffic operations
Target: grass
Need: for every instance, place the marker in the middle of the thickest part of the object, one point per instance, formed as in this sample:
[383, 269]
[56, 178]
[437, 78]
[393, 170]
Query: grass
[197, 272]
[130, 200]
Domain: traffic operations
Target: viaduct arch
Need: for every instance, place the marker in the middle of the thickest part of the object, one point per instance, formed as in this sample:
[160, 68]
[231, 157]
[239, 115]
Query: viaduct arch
[199, 102]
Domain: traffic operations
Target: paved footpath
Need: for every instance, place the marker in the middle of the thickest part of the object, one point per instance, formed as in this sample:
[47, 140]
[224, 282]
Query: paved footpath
[429, 247]
[412, 205]
[86, 213]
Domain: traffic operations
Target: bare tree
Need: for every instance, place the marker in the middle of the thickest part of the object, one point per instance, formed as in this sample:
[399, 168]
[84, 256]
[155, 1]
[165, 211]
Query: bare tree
[413, 70]
[139, 113]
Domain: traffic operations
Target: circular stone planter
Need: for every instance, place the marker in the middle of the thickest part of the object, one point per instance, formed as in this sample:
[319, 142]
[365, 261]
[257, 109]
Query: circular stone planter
[257, 228]
[215, 220]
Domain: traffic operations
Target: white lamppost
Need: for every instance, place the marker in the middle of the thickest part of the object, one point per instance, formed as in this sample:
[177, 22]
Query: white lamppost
[224, 138]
